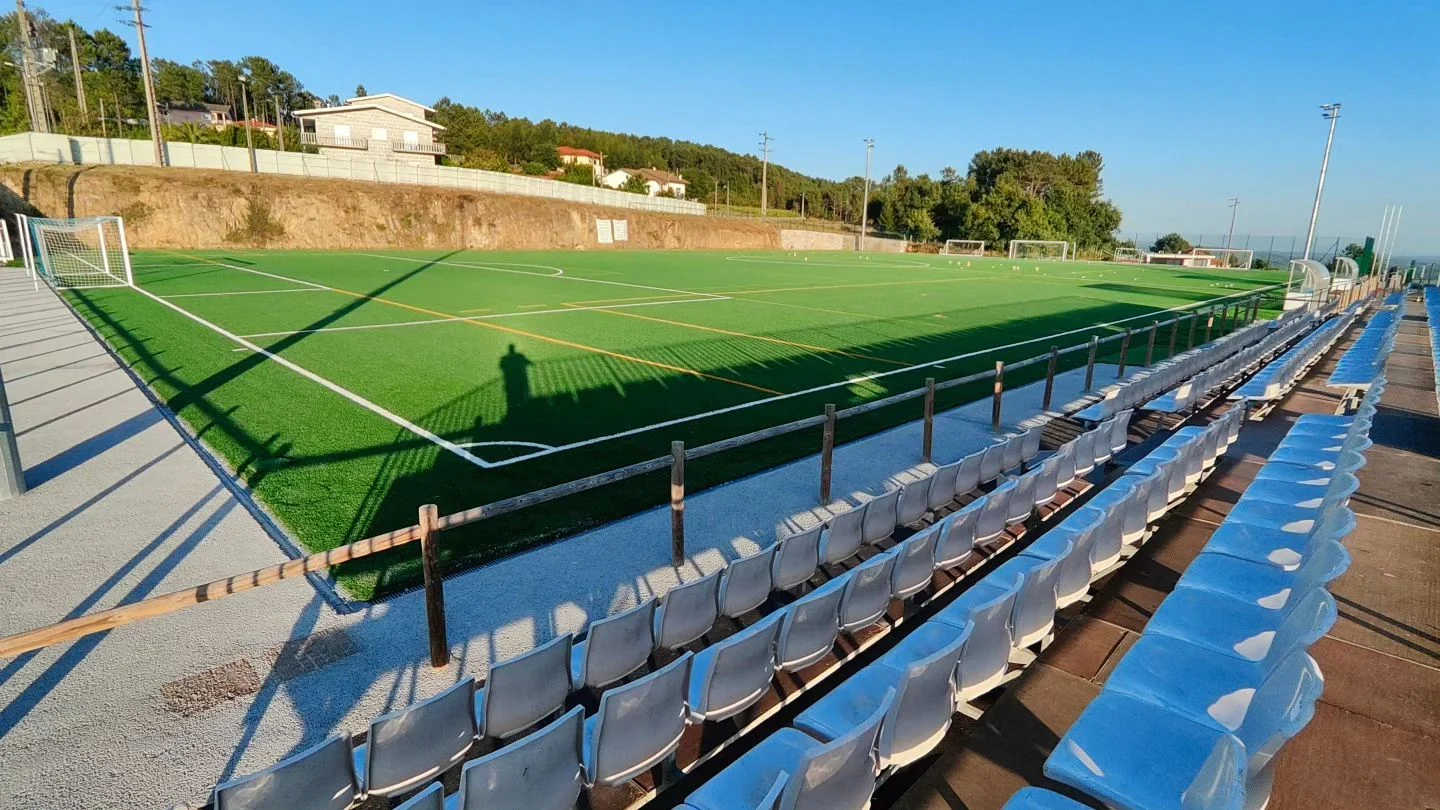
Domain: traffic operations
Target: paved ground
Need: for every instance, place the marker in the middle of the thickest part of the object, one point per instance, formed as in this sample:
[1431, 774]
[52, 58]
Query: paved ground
[1375, 738]
[122, 507]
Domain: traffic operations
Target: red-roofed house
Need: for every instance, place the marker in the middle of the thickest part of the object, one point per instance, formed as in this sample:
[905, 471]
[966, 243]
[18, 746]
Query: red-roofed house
[574, 156]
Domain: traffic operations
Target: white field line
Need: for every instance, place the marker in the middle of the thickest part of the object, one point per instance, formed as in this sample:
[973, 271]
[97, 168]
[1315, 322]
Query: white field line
[238, 292]
[860, 264]
[313, 377]
[483, 317]
[539, 275]
[854, 380]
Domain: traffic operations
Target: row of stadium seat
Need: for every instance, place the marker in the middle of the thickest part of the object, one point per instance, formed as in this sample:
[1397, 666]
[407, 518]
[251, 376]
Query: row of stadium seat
[1146, 384]
[1279, 376]
[1196, 390]
[898, 709]
[1364, 361]
[1196, 711]
[414, 744]
[1432, 312]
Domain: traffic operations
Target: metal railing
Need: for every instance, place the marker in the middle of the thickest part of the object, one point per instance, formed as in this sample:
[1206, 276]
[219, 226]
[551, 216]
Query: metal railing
[1233, 310]
[418, 148]
[313, 139]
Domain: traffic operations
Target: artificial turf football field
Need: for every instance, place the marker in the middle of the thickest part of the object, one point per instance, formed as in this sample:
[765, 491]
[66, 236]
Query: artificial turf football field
[354, 387]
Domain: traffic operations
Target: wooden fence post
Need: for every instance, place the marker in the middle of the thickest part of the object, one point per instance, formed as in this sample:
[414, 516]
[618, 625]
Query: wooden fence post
[999, 393]
[677, 503]
[1194, 321]
[927, 443]
[1150, 344]
[1124, 350]
[1050, 377]
[434, 585]
[1174, 333]
[827, 453]
[1090, 366]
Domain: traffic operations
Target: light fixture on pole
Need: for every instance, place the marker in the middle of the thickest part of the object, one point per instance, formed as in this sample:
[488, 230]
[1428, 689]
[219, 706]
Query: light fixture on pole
[245, 107]
[865, 197]
[1331, 112]
[1230, 237]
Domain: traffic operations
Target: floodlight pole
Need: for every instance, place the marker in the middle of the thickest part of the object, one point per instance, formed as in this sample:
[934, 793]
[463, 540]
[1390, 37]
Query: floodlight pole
[1230, 237]
[1390, 246]
[865, 197]
[1332, 113]
[1375, 257]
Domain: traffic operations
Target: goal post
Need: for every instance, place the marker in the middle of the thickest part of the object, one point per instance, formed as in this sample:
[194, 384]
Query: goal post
[963, 247]
[1232, 258]
[1127, 254]
[83, 253]
[1039, 249]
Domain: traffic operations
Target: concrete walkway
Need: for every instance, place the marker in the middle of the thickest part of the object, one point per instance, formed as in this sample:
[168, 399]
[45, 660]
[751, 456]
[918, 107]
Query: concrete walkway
[122, 506]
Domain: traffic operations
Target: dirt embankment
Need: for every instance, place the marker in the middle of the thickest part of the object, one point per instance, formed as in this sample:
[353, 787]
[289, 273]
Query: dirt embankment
[194, 208]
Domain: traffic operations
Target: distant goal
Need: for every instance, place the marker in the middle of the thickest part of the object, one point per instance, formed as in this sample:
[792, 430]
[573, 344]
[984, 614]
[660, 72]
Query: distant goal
[1128, 254]
[1233, 258]
[77, 254]
[1039, 249]
[963, 247]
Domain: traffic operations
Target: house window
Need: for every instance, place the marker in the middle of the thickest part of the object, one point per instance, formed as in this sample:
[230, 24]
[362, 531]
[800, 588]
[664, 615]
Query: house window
[412, 138]
[379, 134]
[342, 131]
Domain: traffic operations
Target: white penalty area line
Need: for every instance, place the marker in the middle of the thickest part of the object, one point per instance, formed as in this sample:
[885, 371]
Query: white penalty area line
[316, 378]
[496, 316]
[241, 292]
[560, 275]
[857, 380]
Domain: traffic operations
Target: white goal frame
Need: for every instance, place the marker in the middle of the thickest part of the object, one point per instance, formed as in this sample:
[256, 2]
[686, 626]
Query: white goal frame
[1129, 254]
[964, 247]
[1015, 244]
[82, 253]
[1226, 257]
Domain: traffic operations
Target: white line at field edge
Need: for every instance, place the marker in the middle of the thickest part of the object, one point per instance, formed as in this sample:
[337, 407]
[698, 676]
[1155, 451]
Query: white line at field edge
[239, 292]
[538, 275]
[346, 393]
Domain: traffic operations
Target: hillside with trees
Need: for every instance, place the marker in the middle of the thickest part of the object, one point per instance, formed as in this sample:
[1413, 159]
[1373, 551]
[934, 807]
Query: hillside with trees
[1003, 193]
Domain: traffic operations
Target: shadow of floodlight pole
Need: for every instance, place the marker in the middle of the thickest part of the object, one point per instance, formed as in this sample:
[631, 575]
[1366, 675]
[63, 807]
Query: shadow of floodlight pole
[12, 475]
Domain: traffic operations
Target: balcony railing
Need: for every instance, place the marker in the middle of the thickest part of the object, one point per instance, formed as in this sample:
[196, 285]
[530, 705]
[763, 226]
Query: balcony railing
[339, 143]
[418, 148]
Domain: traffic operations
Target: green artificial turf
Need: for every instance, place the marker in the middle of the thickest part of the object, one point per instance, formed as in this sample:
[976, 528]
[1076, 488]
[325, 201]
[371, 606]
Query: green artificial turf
[538, 367]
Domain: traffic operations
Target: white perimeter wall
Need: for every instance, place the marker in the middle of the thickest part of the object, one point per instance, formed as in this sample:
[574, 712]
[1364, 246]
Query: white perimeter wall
[830, 240]
[34, 147]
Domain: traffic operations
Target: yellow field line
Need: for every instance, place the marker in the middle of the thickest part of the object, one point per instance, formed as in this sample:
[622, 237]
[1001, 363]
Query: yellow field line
[749, 336]
[634, 298]
[532, 335]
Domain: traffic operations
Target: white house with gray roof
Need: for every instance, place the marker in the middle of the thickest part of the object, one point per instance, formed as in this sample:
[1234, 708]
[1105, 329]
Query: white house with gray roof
[382, 126]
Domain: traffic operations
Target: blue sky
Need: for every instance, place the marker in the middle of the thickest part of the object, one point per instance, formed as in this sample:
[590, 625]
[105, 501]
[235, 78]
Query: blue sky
[1191, 103]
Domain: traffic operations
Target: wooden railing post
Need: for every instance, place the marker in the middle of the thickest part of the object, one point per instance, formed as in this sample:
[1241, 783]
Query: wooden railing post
[1124, 350]
[1090, 364]
[827, 453]
[927, 441]
[1174, 333]
[434, 585]
[1050, 377]
[1194, 321]
[999, 394]
[677, 503]
[1150, 345]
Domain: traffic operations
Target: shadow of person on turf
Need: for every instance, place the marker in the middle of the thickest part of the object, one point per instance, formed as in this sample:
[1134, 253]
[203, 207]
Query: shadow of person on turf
[515, 369]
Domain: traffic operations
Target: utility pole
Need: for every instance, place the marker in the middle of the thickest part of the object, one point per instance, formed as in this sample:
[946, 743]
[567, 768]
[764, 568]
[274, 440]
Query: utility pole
[104, 128]
[280, 123]
[764, 171]
[1330, 112]
[151, 113]
[802, 205]
[34, 102]
[79, 79]
[245, 107]
[865, 198]
[1230, 237]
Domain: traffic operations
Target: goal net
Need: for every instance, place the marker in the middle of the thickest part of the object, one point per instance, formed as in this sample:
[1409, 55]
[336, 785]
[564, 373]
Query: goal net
[1039, 249]
[1127, 254]
[963, 247]
[72, 254]
[1227, 257]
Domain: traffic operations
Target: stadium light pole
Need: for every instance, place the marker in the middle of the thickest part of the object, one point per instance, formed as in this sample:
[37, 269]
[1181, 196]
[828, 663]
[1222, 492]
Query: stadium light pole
[1230, 237]
[865, 197]
[1330, 112]
[245, 105]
